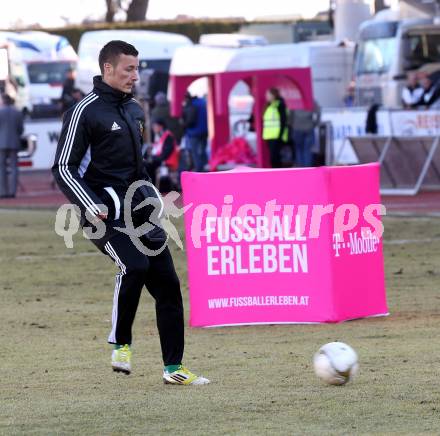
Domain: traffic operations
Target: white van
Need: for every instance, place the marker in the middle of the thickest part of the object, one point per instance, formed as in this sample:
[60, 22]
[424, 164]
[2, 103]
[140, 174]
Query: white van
[331, 63]
[155, 52]
[38, 63]
[4, 64]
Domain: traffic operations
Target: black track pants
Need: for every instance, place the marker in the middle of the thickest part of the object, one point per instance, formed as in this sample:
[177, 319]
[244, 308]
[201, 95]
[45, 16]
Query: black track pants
[157, 273]
[275, 146]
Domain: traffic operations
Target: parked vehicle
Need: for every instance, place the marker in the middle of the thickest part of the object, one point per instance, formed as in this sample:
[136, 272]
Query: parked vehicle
[387, 49]
[37, 66]
[4, 65]
[156, 50]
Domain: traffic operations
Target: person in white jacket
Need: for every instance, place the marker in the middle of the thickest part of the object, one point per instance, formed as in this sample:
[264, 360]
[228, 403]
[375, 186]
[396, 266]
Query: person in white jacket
[412, 92]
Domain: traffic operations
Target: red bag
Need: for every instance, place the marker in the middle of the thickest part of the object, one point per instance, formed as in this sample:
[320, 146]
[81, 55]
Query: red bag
[238, 151]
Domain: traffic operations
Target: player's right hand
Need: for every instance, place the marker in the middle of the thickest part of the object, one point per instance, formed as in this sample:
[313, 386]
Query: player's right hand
[100, 217]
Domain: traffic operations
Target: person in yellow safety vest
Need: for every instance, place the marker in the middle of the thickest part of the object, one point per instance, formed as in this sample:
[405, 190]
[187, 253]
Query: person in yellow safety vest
[275, 129]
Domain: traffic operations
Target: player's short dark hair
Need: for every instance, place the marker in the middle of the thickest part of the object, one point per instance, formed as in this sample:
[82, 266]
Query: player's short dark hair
[112, 50]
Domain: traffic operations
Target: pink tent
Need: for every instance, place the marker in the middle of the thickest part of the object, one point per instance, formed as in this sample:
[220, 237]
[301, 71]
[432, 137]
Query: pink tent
[294, 83]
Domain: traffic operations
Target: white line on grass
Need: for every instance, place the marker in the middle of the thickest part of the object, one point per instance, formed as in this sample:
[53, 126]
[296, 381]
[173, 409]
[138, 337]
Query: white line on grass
[410, 241]
[84, 254]
[57, 256]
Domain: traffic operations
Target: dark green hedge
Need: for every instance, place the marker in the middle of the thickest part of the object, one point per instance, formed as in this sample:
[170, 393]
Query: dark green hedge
[193, 29]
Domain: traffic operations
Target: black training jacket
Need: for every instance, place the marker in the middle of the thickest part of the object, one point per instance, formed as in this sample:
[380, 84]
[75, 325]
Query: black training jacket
[100, 147]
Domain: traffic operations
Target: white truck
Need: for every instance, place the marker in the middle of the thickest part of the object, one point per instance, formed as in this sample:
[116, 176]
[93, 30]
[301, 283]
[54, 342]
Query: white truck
[387, 49]
[156, 50]
[37, 64]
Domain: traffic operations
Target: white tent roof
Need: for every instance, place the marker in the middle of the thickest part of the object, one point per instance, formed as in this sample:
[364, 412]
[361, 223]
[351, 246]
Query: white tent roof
[232, 40]
[199, 59]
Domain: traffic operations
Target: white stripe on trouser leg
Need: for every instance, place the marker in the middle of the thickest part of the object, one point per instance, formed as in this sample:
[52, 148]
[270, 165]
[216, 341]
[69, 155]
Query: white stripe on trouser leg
[118, 281]
[115, 199]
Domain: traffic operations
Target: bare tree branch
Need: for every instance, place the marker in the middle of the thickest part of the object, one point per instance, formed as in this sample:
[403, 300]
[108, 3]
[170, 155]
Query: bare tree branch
[112, 8]
[137, 10]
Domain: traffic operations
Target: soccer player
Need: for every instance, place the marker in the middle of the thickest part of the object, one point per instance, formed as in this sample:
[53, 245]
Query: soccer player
[98, 157]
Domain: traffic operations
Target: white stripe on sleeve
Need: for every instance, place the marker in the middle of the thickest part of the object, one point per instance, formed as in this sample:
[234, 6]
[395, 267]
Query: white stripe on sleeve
[72, 183]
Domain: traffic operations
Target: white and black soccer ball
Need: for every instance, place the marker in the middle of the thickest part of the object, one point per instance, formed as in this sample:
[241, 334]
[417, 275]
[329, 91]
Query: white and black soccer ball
[336, 363]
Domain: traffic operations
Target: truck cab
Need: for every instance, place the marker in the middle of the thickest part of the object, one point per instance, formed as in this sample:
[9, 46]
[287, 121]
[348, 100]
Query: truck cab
[386, 51]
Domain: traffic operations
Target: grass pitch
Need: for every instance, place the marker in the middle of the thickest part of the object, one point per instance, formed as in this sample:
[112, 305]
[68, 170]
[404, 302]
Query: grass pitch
[56, 379]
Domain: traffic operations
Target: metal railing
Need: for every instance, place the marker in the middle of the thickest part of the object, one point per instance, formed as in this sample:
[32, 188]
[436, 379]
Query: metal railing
[407, 163]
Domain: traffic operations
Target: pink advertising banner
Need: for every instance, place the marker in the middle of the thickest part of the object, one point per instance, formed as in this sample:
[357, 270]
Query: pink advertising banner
[297, 245]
